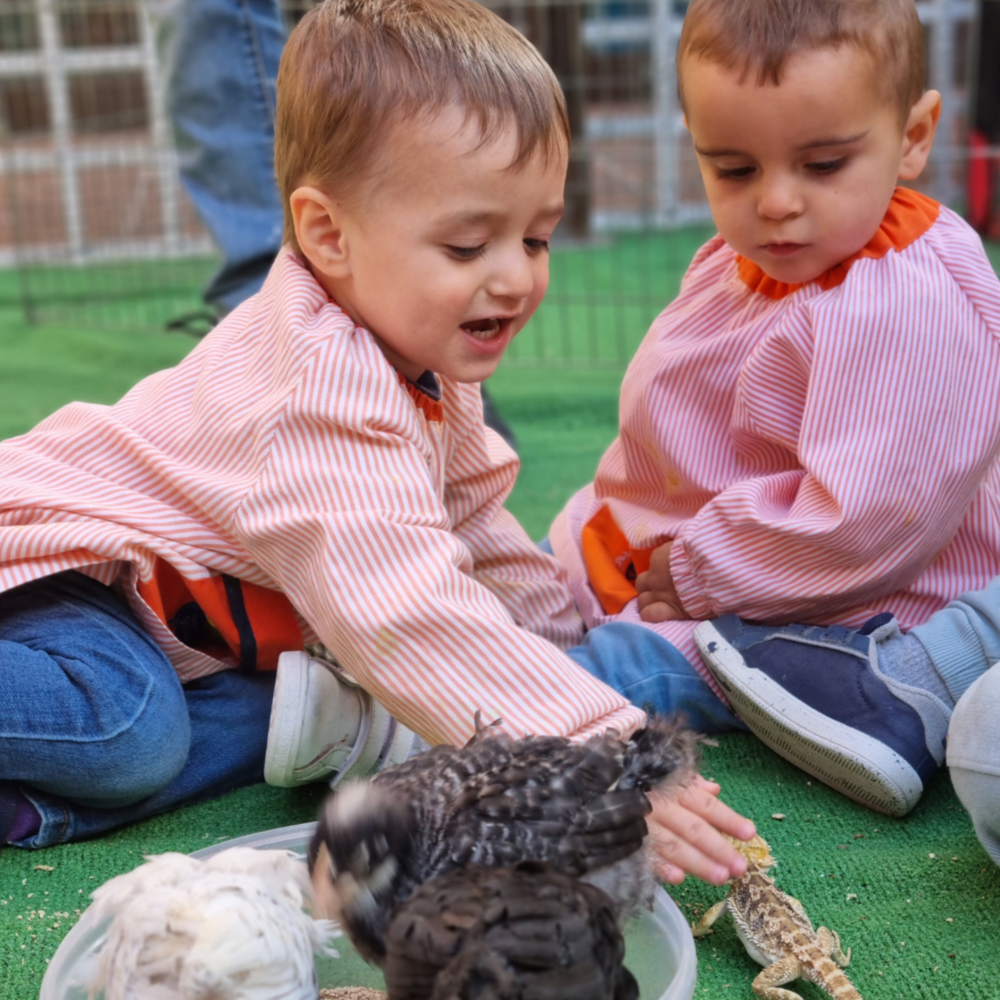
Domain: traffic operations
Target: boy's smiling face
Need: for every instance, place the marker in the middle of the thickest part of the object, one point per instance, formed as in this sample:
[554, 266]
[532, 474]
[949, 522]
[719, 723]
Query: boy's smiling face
[443, 255]
[799, 175]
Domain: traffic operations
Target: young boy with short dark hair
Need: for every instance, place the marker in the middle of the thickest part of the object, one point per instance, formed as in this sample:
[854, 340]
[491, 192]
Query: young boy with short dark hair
[811, 430]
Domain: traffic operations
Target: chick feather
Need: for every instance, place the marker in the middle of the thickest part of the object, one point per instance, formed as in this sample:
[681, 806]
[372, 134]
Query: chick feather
[480, 933]
[579, 807]
[232, 927]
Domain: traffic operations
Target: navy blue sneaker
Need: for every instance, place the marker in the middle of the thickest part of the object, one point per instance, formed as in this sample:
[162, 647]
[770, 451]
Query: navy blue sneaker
[816, 696]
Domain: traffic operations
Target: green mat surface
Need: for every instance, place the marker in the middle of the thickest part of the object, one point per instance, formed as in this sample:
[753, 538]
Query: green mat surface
[917, 899]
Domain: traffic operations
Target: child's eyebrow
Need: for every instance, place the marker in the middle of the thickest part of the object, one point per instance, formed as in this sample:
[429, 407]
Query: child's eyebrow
[462, 218]
[846, 141]
[814, 144]
[473, 218]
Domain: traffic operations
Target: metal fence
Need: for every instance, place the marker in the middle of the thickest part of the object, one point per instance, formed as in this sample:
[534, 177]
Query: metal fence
[95, 227]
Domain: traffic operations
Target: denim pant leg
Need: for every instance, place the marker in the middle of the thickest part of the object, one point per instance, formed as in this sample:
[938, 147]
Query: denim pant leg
[652, 674]
[95, 726]
[221, 63]
[228, 715]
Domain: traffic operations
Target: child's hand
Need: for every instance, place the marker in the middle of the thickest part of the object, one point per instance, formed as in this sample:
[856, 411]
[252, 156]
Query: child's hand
[687, 832]
[658, 600]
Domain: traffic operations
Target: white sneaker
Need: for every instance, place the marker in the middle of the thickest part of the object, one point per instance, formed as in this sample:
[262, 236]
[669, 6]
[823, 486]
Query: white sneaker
[323, 725]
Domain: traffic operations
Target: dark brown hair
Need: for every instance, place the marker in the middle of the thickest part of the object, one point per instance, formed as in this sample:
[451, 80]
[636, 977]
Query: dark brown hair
[354, 69]
[758, 36]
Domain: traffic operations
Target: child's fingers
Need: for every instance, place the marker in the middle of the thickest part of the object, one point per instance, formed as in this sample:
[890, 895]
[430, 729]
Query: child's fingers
[675, 853]
[653, 609]
[670, 874]
[712, 787]
[689, 833]
[715, 812]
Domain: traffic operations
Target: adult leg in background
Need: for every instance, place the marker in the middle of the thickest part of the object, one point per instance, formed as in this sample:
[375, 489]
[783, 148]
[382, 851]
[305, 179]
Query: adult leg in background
[95, 727]
[220, 61]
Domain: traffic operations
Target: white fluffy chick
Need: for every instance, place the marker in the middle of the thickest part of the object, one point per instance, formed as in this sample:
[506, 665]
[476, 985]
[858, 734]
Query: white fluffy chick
[233, 927]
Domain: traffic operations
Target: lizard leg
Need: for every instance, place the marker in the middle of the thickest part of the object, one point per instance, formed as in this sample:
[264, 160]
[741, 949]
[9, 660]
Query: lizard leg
[829, 941]
[704, 926]
[768, 983]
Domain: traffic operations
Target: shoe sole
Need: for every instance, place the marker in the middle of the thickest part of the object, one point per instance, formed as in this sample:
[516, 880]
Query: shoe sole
[854, 764]
[291, 689]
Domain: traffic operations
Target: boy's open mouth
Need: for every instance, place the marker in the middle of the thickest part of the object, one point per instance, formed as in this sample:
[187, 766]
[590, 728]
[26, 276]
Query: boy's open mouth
[485, 329]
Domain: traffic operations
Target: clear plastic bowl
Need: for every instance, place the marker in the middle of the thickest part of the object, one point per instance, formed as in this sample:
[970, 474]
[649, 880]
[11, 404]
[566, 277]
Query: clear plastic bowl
[659, 948]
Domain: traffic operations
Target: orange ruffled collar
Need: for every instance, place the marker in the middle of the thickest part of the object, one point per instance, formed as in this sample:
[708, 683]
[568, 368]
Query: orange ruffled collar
[910, 215]
[431, 407]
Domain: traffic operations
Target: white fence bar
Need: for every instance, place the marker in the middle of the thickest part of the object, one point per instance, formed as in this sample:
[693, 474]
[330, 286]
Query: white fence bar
[17, 64]
[163, 146]
[58, 95]
[941, 14]
[663, 38]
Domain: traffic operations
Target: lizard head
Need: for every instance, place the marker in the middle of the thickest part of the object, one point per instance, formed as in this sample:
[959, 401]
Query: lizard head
[755, 851]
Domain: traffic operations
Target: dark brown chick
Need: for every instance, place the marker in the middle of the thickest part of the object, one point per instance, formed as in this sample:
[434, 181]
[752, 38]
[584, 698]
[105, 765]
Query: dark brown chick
[522, 933]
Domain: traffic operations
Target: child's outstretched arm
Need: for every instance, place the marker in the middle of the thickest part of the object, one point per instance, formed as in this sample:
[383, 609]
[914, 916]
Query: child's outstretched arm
[689, 832]
[346, 517]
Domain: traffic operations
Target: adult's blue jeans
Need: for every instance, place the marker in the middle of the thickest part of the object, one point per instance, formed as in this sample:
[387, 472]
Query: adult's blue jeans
[220, 59]
[95, 726]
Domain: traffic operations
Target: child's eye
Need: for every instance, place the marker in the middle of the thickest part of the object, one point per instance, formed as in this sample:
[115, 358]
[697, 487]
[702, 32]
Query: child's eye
[827, 166]
[466, 253]
[537, 246]
[734, 173]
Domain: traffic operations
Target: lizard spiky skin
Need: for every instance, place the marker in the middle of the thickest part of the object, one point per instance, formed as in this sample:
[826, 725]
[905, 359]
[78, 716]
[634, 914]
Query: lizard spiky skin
[777, 933]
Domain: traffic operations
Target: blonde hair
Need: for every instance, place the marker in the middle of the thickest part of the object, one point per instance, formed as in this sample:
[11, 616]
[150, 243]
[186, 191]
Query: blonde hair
[353, 70]
[758, 36]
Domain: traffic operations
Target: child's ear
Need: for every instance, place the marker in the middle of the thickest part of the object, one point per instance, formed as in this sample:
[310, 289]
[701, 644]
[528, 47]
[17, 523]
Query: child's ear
[918, 135]
[318, 220]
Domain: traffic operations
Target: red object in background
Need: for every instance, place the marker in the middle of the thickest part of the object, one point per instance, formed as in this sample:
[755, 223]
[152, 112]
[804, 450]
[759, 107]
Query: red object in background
[979, 193]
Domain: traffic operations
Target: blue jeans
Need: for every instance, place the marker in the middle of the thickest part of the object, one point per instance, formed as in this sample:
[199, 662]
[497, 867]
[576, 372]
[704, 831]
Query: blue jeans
[221, 62]
[653, 674]
[95, 726]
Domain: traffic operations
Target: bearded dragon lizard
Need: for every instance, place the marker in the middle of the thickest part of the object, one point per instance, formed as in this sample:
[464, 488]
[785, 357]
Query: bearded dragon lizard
[777, 933]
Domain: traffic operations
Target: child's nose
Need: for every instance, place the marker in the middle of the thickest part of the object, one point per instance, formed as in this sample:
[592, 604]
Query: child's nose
[514, 276]
[779, 198]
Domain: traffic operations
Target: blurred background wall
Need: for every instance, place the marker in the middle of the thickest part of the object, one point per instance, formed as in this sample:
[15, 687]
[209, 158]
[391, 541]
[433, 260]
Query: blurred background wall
[95, 227]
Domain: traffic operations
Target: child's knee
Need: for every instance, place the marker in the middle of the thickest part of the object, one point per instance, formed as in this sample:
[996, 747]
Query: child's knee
[974, 757]
[136, 760]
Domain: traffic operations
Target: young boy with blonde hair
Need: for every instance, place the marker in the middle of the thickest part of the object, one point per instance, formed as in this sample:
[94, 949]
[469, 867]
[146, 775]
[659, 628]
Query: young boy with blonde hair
[811, 430]
[317, 469]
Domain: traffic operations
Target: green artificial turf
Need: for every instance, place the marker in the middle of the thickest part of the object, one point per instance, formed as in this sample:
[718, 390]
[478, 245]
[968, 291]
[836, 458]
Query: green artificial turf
[915, 898]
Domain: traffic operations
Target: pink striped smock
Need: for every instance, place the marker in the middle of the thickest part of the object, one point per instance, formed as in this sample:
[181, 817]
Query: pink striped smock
[817, 454]
[285, 452]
